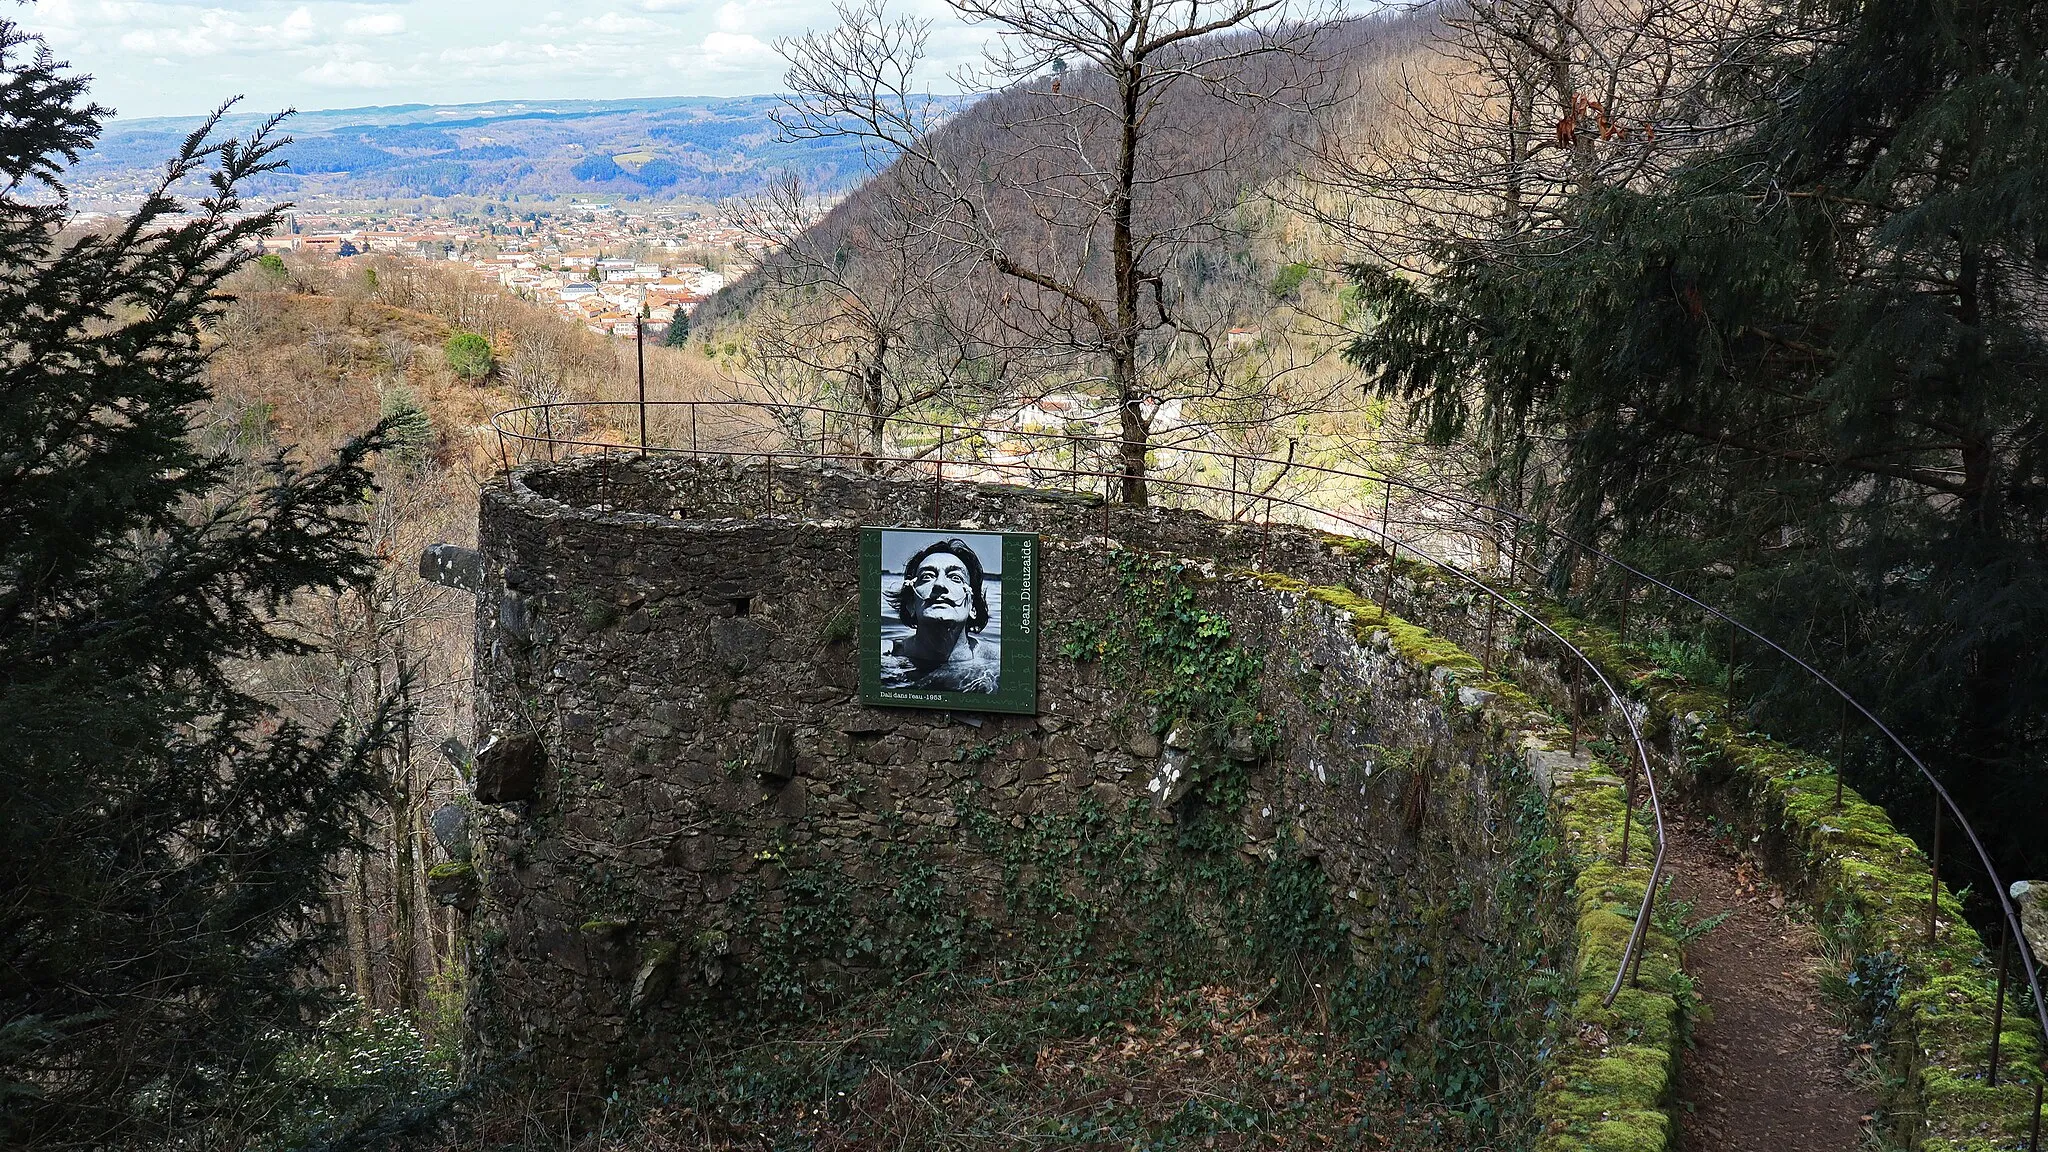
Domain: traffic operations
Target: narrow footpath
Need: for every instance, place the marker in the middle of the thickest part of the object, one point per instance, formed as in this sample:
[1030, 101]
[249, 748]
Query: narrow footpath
[1769, 1067]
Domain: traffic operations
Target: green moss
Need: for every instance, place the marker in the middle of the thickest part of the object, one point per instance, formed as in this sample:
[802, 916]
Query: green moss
[1873, 880]
[452, 870]
[603, 927]
[1615, 1065]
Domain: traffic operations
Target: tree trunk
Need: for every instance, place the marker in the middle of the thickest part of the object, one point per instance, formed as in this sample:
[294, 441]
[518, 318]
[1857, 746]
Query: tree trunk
[404, 908]
[355, 902]
[878, 416]
[1132, 437]
[1133, 430]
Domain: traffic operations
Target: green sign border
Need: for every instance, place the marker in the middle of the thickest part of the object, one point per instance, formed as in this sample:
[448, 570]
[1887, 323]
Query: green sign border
[1018, 692]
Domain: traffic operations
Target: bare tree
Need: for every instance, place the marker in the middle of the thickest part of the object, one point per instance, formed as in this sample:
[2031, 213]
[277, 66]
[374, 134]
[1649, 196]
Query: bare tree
[1484, 142]
[1518, 109]
[1115, 149]
[860, 309]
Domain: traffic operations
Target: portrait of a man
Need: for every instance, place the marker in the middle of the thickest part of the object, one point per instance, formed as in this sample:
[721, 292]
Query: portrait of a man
[949, 619]
[946, 637]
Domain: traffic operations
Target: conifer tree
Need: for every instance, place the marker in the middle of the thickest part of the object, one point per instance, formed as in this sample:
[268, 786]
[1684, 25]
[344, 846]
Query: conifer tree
[1808, 372]
[163, 835]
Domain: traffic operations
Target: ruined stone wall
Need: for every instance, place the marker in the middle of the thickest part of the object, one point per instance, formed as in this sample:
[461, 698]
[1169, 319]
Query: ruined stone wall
[685, 668]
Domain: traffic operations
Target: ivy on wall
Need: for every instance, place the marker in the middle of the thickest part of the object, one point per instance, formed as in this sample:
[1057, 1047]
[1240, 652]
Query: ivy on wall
[1102, 910]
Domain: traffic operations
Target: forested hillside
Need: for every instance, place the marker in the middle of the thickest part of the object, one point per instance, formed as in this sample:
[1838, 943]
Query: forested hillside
[1704, 342]
[983, 271]
[701, 148]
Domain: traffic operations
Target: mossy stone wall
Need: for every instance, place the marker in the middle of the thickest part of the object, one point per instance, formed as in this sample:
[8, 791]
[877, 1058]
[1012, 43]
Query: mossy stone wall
[660, 881]
[1867, 881]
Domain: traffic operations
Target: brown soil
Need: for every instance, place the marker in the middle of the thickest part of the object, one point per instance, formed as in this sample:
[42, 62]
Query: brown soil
[1769, 1066]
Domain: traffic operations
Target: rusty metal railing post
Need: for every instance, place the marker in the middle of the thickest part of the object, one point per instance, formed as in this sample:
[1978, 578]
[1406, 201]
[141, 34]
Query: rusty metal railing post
[1841, 751]
[1635, 975]
[1934, 870]
[640, 372]
[768, 483]
[1998, 1004]
[693, 432]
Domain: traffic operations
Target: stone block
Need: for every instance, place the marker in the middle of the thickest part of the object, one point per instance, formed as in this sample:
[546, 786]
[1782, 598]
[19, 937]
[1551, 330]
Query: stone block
[450, 823]
[774, 757]
[452, 566]
[2030, 900]
[655, 972]
[507, 768]
[515, 616]
[453, 884]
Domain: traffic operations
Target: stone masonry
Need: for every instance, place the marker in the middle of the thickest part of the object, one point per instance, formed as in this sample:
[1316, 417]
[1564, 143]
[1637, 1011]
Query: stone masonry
[667, 712]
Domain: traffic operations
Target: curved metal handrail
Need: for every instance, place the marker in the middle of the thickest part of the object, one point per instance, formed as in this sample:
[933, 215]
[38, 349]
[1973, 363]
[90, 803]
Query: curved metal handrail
[1946, 802]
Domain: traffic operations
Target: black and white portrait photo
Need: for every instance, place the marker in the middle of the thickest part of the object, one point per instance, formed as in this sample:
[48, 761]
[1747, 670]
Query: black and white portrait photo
[941, 611]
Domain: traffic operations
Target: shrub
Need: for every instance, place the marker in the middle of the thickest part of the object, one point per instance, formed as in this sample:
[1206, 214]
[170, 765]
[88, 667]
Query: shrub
[469, 356]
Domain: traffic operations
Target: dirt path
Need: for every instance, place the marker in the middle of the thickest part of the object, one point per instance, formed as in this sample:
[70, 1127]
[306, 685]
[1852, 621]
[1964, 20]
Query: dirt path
[1769, 1069]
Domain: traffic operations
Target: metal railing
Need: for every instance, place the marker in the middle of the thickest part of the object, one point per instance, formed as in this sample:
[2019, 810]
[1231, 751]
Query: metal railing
[790, 423]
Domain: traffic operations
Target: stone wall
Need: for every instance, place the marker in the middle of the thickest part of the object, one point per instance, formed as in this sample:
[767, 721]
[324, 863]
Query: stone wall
[684, 666]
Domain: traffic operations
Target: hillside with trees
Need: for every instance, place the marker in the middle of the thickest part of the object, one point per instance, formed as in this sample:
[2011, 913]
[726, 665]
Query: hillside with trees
[1030, 245]
[1752, 298]
[692, 148]
[1613, 273]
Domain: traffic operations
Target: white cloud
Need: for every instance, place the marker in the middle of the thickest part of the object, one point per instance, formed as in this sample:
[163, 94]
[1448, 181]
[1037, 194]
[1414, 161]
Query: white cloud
[614, 23]
[773, 17]
[376, 24]
[213, 33]
[736, 52]
[279, 52]
[216, 30]
[348, 74]
[298, 27]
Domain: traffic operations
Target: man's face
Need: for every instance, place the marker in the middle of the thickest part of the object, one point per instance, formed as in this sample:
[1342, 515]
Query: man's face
[944, 589]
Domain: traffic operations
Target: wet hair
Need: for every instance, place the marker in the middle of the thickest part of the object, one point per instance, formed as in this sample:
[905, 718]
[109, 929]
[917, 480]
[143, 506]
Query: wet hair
[906, 603]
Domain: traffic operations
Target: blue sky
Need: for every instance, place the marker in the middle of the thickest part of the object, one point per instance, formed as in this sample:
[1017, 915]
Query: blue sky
[169, 58]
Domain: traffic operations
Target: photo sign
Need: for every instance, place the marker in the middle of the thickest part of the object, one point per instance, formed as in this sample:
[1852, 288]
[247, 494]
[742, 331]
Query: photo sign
[949, 619]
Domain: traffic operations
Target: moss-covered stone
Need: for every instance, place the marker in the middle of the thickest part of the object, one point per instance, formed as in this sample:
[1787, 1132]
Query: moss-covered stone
[1872, 881]
[454, 884]
[1615, 1065]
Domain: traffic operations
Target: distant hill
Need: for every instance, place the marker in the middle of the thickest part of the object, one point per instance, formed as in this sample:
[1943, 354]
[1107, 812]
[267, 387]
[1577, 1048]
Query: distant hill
[1232, 149]
[671, 147]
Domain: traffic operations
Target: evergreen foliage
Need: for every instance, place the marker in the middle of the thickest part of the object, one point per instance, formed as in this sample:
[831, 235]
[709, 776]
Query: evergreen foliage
[165, 836]
[1805, 373]
[678, 335]
[469, 356]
